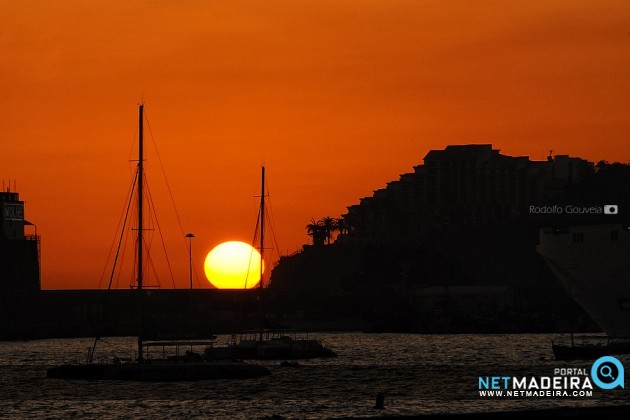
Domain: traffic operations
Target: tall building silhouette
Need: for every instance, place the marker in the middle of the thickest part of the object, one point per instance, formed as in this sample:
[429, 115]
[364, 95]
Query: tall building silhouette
[19, 251]
[462, 184]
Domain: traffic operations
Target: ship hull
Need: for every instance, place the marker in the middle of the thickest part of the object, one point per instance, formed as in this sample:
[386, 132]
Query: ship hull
[593, 264]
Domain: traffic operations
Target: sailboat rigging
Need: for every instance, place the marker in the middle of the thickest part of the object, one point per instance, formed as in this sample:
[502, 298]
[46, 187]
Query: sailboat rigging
[262, 253]
[263, 343]
[176, 368]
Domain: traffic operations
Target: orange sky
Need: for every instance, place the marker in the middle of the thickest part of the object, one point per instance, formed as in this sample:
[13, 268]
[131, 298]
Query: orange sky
[335, 97]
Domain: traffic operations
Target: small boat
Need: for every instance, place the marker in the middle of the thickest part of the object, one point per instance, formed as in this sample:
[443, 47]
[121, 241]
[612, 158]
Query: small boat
[591, 348]
[578, 352]
[191, 366]
[286, 363]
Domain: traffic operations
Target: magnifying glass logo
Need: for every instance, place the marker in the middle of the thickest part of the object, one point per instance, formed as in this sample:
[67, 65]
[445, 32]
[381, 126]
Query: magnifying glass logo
[606, 372]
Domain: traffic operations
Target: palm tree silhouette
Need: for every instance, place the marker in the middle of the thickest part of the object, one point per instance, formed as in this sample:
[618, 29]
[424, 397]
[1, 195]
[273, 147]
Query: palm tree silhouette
[316, 231]
[330, 226]
[342, 228]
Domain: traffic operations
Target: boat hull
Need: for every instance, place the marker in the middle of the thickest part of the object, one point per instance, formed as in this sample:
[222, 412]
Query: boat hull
[254, 353]
[592, 349]
[562, 352]
[276, 349]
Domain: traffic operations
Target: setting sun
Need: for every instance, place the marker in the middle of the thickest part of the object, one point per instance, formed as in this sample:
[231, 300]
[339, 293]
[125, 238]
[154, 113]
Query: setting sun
[233, 265]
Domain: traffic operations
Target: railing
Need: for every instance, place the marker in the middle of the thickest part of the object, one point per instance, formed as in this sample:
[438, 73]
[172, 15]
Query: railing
[37, 238]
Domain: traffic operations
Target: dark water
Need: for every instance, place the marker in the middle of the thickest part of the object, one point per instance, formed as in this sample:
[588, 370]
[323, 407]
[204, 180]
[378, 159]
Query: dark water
[420, 374]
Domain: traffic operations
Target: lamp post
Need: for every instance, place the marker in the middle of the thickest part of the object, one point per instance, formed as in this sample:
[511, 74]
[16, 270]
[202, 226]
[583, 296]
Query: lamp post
[190, 236]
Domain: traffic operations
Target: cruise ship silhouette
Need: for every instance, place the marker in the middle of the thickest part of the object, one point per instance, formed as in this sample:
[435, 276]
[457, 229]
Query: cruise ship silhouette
[593, 264]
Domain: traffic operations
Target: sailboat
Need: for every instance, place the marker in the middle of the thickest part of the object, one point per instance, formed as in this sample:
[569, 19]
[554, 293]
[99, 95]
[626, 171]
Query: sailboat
[144, 368]
[263, 343]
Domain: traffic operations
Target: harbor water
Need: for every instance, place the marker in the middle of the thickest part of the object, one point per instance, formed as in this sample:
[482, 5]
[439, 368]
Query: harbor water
[418, 374]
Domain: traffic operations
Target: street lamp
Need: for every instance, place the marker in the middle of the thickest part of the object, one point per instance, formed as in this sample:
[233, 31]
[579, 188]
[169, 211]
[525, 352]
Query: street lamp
[190, 236]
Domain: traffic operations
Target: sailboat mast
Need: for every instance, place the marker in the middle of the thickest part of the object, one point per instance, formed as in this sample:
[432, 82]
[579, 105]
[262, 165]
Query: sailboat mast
[140, 192]
[140, 223]
[262, 227]
[262, 251]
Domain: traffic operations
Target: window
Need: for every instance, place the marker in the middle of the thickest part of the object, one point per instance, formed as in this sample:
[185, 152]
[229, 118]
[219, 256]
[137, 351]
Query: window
[578, 237]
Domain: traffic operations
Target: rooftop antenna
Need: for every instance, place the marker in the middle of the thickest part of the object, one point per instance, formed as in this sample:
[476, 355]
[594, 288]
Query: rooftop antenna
[550, 157]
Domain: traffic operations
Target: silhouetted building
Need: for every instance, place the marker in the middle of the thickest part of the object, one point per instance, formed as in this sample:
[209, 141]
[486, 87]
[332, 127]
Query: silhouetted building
[460, 185]
[19, 252]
